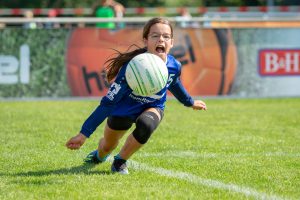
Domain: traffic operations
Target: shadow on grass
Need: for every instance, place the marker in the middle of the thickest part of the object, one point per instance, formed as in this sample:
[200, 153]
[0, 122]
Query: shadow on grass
[82, 169]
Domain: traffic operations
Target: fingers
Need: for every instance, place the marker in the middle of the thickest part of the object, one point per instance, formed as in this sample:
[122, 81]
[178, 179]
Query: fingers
[203, 106]
[200, 108]
[72, 146]
[75, 142]
[199, 105]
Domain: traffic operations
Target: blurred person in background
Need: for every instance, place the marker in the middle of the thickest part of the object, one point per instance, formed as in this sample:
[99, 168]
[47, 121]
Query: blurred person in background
[104, 10]
[119, 12]
[184, 20]
[108, 9]
[29, 25]
[52, 13]
[2, 25]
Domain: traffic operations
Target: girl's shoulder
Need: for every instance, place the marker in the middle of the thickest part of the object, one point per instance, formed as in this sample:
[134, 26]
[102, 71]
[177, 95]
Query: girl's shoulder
[123, 69]
[173, 63]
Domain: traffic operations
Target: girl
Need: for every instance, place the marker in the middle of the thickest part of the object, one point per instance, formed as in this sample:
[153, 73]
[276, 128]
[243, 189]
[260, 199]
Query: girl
[123, 108]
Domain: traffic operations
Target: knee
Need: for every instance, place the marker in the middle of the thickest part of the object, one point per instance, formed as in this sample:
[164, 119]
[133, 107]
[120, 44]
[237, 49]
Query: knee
[145, 126]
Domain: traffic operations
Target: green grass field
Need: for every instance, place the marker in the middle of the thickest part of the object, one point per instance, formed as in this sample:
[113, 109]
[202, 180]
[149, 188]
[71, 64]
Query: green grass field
[238, 149]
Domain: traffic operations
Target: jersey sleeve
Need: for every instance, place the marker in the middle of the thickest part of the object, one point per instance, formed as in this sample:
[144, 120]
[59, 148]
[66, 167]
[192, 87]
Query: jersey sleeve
[177, 89]
[117, 90]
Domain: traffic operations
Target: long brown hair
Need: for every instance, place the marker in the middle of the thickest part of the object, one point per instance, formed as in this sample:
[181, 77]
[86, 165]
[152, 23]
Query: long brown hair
[114, 64]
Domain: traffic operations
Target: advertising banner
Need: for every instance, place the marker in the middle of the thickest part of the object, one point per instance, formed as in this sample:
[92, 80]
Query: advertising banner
[268, 62]
[32, 63]
[63, 62]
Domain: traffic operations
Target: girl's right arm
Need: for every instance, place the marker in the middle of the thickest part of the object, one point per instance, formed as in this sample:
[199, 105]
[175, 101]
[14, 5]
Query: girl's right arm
[116, 92]
[108, 103]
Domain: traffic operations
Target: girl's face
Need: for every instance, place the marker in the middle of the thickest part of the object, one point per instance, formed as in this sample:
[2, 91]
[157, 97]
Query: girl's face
[159, 41]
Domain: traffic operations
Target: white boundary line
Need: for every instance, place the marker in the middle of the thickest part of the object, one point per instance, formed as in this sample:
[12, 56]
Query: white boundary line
[191, 154]
[248, 192]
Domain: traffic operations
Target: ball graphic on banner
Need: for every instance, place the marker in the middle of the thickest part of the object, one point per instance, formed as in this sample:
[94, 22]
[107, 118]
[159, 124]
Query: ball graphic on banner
[146, 74]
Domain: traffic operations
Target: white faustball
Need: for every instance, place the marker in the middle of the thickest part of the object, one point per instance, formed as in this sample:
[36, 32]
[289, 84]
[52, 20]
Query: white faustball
[146, 74]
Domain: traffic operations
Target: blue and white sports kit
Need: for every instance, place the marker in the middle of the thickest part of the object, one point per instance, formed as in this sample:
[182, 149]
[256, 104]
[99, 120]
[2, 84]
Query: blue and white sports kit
[120, 100]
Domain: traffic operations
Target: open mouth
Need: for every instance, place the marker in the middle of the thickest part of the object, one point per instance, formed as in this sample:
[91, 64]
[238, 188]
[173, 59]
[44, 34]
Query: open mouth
[160, 49]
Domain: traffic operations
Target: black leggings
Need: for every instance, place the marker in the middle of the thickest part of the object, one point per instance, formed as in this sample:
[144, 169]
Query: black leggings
[146, 123]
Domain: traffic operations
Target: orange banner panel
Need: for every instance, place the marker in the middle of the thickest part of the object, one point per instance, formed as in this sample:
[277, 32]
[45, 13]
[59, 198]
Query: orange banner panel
[208, 58]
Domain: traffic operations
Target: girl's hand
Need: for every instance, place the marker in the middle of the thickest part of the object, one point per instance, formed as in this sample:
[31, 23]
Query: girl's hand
[76, 142]
[199, 105]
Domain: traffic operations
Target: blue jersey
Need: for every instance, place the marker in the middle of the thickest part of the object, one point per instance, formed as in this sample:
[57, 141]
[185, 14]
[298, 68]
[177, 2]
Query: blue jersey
[121, 101]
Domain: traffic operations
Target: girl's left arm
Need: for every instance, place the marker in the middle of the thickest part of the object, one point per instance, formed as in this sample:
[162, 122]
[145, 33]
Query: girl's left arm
[177, 89]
